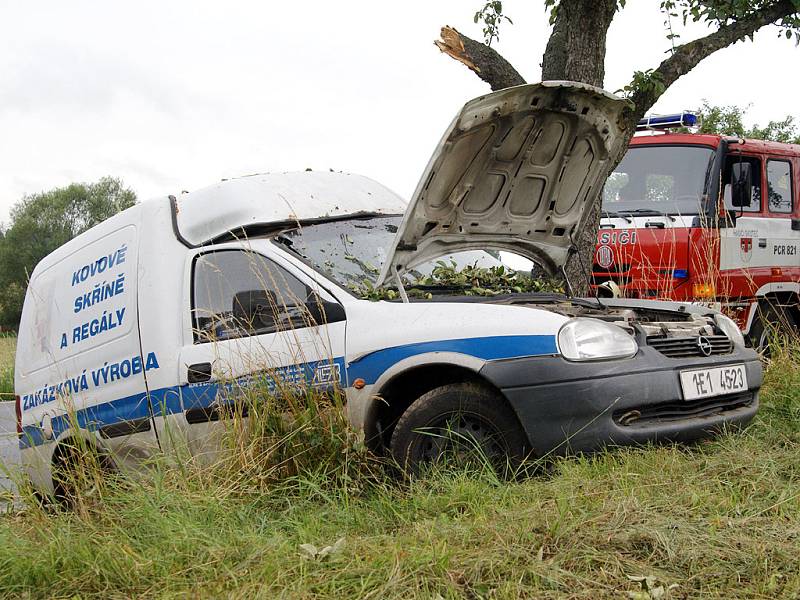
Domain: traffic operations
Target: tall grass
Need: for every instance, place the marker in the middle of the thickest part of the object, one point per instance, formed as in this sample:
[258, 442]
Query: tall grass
[720, 519]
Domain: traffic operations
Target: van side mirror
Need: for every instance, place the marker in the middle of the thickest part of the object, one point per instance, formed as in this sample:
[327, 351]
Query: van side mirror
[741, 184]
[322, 311]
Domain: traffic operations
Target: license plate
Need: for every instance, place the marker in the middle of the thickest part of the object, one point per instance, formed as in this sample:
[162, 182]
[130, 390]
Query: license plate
[717, 381]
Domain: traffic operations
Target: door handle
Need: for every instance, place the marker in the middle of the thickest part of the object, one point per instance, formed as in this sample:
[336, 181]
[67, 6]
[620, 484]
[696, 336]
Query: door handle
[199, 372]
[795, 224]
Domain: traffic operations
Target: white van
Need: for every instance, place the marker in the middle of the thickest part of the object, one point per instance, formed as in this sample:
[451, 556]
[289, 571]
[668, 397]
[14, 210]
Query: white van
[130, 326]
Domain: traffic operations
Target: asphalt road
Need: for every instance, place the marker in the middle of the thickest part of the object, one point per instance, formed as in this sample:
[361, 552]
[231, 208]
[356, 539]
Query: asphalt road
[9, 448]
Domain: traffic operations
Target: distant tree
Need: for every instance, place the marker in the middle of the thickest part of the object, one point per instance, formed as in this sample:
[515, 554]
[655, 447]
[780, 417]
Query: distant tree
[42, 222]
[729, 120]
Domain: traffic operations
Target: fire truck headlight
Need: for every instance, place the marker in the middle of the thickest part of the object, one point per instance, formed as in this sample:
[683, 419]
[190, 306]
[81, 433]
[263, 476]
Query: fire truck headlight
[729, 328]
[584, 339]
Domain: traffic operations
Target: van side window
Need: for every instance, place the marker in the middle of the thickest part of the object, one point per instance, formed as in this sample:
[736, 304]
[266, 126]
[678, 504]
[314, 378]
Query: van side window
[755, 169]
[238, 293]
[779, 186]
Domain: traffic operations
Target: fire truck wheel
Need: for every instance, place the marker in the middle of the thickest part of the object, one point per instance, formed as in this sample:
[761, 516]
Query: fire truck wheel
[770, 325]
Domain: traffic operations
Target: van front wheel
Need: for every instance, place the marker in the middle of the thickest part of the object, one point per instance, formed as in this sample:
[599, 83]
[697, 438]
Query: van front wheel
[463, 425]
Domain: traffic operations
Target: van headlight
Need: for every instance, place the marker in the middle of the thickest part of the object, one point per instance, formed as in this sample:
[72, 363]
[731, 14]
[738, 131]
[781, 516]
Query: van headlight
[593, 339]
[730, 328]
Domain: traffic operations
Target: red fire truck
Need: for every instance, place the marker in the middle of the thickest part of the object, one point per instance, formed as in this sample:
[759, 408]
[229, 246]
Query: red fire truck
[705, 218]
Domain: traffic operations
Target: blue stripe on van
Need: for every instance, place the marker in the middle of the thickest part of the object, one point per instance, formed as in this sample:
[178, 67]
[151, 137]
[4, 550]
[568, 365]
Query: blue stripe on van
[371, 366]
[176, 399]
[92, 418]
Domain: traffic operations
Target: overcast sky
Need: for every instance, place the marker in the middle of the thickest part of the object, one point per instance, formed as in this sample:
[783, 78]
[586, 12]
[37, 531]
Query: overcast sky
[173, 95]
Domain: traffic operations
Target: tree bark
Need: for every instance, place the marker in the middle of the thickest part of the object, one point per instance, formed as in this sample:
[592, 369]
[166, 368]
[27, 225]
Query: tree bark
[576, 52]
[483, 60]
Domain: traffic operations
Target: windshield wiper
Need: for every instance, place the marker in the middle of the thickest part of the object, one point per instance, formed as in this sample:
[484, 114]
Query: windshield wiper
[615, 215]
[648, 212]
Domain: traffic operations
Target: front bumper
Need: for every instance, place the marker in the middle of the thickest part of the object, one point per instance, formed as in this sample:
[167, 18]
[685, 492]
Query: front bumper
[568, 407]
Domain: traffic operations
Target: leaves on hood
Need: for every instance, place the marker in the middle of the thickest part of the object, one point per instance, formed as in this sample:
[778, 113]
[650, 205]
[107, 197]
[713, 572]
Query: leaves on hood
[471, 280]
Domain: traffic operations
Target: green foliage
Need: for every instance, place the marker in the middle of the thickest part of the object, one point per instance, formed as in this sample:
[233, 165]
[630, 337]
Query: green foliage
[672, 37]
[471, 280]
[725, 12]
[491, 15]
[729, 120]
[647, 82]
[485, 281]
[722, 120]
[778, 131]
[42, 222]
[12, 293]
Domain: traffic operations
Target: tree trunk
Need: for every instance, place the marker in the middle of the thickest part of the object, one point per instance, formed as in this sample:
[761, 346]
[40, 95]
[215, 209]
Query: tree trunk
[576, 51]
[578, 269]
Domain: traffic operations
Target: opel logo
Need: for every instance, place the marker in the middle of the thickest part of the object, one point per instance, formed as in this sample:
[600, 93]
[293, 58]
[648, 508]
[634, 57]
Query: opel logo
[704, 345]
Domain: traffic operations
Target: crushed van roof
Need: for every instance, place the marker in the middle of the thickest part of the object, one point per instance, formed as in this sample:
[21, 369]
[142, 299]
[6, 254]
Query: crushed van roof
[274, 198]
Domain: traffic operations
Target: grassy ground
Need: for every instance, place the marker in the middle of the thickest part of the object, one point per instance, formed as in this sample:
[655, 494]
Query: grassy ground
[8, 346]
[716, 520]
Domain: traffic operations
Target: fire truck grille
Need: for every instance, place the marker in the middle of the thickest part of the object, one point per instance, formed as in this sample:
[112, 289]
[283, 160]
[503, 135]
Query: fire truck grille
[694, 346]
[645, 416]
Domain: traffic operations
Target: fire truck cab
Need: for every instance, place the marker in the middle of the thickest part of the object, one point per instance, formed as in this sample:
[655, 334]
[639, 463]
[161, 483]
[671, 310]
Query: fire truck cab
[705, 218]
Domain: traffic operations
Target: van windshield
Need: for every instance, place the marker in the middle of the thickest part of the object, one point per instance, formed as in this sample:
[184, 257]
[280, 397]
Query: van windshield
[653, 180]
[348, 251]
[353, 251]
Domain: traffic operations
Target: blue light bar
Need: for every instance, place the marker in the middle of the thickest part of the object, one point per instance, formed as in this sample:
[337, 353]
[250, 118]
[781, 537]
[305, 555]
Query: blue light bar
[680, 273]
[684, 119]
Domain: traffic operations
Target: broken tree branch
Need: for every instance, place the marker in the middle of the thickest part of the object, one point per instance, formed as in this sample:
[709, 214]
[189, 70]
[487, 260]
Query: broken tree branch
[484, 61]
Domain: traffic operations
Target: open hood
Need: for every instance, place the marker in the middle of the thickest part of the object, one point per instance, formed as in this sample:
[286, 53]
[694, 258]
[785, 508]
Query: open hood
[513, 172]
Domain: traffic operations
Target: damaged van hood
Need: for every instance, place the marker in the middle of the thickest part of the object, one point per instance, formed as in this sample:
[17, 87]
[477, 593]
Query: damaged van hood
[514, 172]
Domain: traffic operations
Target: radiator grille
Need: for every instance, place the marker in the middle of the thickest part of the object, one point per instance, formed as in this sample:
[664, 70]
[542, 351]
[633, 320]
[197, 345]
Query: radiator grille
[684, 347]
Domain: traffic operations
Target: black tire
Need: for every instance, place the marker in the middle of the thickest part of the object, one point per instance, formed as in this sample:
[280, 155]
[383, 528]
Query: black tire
[770, 324]
[468, 422]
